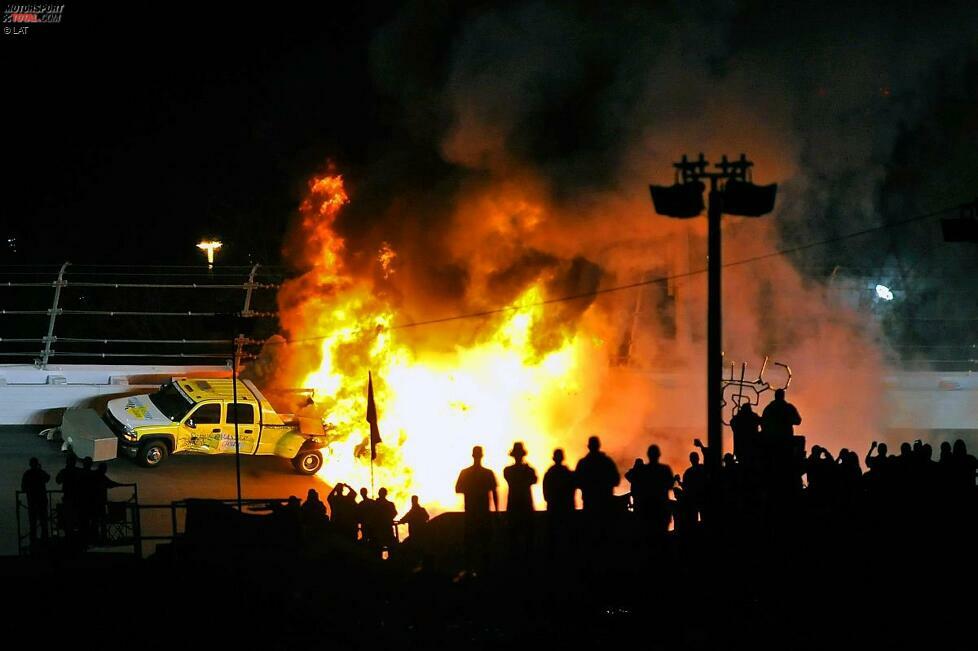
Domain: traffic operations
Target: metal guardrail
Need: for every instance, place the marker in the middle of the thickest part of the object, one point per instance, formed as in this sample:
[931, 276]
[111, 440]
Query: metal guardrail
[181, 505]
[114, 531]
[125, 532]
[265, 504]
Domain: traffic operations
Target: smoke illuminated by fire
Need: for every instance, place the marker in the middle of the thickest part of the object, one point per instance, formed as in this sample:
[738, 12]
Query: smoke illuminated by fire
[627, 368]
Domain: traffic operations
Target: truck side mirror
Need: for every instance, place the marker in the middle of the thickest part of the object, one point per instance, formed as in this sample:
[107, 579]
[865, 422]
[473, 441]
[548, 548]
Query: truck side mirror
[190, 423]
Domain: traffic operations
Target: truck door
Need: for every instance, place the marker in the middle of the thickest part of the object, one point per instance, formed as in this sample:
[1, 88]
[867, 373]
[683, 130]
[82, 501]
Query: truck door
[247, 427]
[204, 427]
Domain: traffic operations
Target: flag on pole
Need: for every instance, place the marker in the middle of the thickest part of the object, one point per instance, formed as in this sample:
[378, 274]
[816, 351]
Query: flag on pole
[372, 417]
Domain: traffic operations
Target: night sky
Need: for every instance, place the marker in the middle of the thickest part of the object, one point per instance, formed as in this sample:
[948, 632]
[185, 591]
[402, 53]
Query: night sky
[139, 129]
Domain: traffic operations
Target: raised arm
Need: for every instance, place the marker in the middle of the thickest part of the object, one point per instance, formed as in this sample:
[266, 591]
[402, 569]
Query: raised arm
[869, 455]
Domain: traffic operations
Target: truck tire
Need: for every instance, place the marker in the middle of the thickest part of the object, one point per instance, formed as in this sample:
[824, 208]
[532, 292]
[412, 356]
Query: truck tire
[152, 453]
[308, 462]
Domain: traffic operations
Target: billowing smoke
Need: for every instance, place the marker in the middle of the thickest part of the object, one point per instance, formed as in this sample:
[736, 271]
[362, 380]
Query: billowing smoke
[523, 139]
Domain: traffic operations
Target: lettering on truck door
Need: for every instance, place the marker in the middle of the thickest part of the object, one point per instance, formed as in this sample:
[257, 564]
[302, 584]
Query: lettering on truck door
[247, 428]
[205, 427]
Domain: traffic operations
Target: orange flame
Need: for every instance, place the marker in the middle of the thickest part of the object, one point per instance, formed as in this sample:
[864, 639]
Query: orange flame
[433, 406]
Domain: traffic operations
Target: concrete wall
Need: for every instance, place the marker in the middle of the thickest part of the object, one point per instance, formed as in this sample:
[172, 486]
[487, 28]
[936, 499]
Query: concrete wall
[917, 400]
[32, 396]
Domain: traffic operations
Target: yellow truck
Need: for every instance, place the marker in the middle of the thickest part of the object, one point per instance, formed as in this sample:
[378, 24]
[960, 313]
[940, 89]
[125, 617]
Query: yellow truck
[196, 415]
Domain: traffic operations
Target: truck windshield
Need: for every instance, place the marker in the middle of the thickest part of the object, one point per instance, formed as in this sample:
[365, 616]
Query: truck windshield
[171, 402]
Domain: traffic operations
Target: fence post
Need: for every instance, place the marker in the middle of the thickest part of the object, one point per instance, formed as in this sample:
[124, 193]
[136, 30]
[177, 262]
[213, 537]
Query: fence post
[249, 288]
[137, 525]
[53, 312]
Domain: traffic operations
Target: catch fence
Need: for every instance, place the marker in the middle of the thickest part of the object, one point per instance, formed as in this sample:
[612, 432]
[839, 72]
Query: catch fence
[130, 314]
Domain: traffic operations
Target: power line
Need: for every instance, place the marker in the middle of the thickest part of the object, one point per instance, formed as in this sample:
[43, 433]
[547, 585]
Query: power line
[651, 281]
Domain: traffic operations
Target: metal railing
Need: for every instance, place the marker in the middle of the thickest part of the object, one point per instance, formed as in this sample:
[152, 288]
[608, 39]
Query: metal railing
[200, 348]
[123, 522]
[180, 506]
[117, 526]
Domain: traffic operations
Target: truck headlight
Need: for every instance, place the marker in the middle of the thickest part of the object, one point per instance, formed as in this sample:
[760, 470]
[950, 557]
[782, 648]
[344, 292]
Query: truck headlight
[129, 434]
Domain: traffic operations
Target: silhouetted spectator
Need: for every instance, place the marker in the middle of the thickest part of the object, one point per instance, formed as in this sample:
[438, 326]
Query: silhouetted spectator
[875, 462]
[779, 418]
[635, 476]
[69, 478]
[100, 491]
[293, 506]
[383, 513]
[945, 464]
[342, 502]
[879, 471]
[416, 519]
[850, 473]
[694, 489]
[314, 516]
[558, 485]
[364, 510]
[520, 477]
[654, 507]
[597, 476]
[746, 427]
[820, 468]
[478, 485]
[963, 469]
[558, 493]
[34, 484]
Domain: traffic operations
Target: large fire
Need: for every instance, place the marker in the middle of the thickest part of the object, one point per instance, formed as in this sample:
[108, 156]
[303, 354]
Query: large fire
[529, 366]
[433, 405]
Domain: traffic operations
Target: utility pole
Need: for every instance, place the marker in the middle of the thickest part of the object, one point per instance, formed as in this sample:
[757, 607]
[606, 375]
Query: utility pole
[237, 344]
[731, 192]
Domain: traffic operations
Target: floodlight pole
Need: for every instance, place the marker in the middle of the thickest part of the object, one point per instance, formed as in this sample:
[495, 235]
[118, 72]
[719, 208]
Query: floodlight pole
[235, 353]
[714, 331]
[684, 200]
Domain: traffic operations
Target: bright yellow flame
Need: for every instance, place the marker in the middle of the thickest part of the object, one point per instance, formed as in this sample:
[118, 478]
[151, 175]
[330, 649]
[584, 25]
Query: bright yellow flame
[433, 407]
[209, 247]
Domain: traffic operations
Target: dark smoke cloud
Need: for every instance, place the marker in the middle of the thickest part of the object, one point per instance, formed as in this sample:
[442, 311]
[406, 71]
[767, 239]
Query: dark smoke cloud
[836, 100]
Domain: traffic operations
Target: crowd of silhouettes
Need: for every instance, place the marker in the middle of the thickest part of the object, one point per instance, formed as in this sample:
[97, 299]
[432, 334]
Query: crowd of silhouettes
[766, 478]
[767, 473]
[82, 514]
[368, 522]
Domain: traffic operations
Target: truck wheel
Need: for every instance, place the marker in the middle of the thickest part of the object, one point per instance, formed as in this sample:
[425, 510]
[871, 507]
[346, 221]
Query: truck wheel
[308, 462]
[151, 454]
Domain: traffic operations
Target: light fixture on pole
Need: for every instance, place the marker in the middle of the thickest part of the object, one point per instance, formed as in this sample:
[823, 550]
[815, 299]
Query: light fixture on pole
[731, 192]
[209, 247]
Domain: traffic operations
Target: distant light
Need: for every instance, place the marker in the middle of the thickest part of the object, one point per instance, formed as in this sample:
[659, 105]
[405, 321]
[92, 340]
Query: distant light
[884, 292]
[209, 246]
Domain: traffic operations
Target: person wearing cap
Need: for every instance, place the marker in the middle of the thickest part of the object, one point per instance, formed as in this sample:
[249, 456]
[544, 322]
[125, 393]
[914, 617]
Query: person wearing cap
[520, 477]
